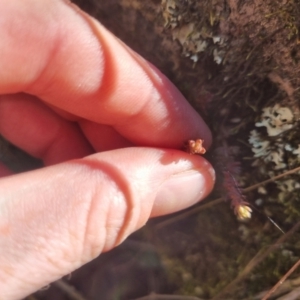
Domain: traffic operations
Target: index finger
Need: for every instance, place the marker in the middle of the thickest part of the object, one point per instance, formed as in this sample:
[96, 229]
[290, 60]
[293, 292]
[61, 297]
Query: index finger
[53, 50]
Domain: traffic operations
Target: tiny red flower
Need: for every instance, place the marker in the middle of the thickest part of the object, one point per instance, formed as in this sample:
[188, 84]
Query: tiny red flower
[195, 147]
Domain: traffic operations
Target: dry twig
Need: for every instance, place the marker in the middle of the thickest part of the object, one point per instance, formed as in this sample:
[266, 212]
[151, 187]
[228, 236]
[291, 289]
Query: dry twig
[257, 259]
[287, 287]
[280, 282]
[293, 295]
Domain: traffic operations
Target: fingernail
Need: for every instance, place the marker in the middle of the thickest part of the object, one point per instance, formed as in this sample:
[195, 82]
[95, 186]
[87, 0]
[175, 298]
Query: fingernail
[184, 189]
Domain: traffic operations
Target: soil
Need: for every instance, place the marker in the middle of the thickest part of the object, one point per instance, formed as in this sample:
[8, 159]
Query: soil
[231, 59]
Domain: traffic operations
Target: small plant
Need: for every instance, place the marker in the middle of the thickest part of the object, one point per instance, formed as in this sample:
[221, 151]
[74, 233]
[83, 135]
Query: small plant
[233, 191]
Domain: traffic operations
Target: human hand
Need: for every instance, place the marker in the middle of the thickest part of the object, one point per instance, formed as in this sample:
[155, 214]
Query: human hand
[68, 89]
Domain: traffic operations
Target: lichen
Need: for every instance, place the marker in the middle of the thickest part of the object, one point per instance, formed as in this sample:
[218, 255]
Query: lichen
[276, 119]
[196, 33]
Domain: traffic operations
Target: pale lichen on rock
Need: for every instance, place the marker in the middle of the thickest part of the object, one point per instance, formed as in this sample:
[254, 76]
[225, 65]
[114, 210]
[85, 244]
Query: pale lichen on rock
[276, 119]
[276, 147]
[195, 32]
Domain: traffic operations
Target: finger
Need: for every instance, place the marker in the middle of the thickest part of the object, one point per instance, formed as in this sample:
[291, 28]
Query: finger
[92, 206]
[70, 61]
[103, 137]
[4, 171]
[33, 127]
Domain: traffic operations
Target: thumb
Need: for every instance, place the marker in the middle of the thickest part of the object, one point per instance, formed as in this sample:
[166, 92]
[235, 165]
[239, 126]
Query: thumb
[55, 219]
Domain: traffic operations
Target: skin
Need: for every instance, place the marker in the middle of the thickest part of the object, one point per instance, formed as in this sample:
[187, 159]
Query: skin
[109, 128]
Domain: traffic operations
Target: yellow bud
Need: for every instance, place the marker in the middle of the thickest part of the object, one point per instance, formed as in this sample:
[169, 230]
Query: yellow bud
[243, 212]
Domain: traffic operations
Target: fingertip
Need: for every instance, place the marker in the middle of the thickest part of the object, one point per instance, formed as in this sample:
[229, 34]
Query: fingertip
[183, 120]
[186, 188]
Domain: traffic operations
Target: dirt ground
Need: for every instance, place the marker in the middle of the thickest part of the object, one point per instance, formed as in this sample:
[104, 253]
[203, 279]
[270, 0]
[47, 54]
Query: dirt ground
[237, 62]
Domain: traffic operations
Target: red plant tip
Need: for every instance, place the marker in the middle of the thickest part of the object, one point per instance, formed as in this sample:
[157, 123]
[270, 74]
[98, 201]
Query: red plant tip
[195, 147]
